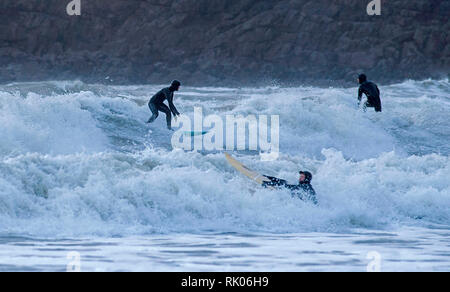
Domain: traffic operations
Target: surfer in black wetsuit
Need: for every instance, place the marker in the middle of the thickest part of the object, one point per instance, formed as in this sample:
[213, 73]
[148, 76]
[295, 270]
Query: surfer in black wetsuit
[304, 191]
[372, 92]
[156, 103]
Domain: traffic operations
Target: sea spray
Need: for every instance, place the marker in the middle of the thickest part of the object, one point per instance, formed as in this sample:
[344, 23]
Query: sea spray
[78, 159]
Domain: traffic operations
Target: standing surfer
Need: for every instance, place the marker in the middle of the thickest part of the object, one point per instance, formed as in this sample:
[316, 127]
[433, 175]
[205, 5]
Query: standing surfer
[372, 92]
[156, 103]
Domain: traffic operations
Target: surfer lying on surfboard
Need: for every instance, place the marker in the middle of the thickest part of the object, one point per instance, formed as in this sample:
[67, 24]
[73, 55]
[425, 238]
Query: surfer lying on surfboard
[303, 190]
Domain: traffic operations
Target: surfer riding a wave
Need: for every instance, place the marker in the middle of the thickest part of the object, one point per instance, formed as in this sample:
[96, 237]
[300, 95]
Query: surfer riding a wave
[156, 104]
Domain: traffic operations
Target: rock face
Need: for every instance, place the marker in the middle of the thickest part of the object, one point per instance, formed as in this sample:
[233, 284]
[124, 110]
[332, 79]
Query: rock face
[224, 42]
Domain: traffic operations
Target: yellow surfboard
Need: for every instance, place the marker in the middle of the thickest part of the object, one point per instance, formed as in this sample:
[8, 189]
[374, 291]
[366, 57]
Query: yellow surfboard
[259, 178]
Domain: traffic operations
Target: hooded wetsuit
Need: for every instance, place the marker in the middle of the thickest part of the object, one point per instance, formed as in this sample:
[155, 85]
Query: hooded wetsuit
[372, 92]
[156, 104]
[303, 191]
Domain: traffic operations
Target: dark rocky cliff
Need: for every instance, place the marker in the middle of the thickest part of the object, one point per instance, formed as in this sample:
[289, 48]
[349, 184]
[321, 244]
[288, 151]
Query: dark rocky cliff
[224, 42]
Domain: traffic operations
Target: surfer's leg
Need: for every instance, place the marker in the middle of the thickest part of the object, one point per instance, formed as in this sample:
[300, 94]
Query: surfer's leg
[374, 104]
[163, 108]
[154, 111]
[377, 105]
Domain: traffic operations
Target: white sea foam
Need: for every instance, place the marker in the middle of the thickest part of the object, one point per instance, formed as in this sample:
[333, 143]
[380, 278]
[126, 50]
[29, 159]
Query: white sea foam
[78, 159]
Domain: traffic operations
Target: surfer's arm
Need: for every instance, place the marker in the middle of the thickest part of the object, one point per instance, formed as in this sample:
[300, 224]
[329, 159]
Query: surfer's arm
[274, 182]
[172, 107]
[360, 93]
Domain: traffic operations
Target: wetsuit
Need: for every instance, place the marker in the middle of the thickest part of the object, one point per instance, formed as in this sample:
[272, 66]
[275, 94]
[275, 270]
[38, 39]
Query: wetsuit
[303, 191]
[372, 92]
[156, 104]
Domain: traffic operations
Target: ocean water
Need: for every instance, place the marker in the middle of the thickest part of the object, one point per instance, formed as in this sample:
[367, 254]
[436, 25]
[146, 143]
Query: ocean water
[81, 171]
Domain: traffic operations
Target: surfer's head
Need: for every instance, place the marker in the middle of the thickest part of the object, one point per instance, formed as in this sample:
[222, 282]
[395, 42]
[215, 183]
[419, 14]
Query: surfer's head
[362, 78]
[175, 86]
[305, 177]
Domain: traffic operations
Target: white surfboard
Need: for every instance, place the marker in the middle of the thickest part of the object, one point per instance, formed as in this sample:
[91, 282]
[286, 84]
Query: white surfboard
[259, 178]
